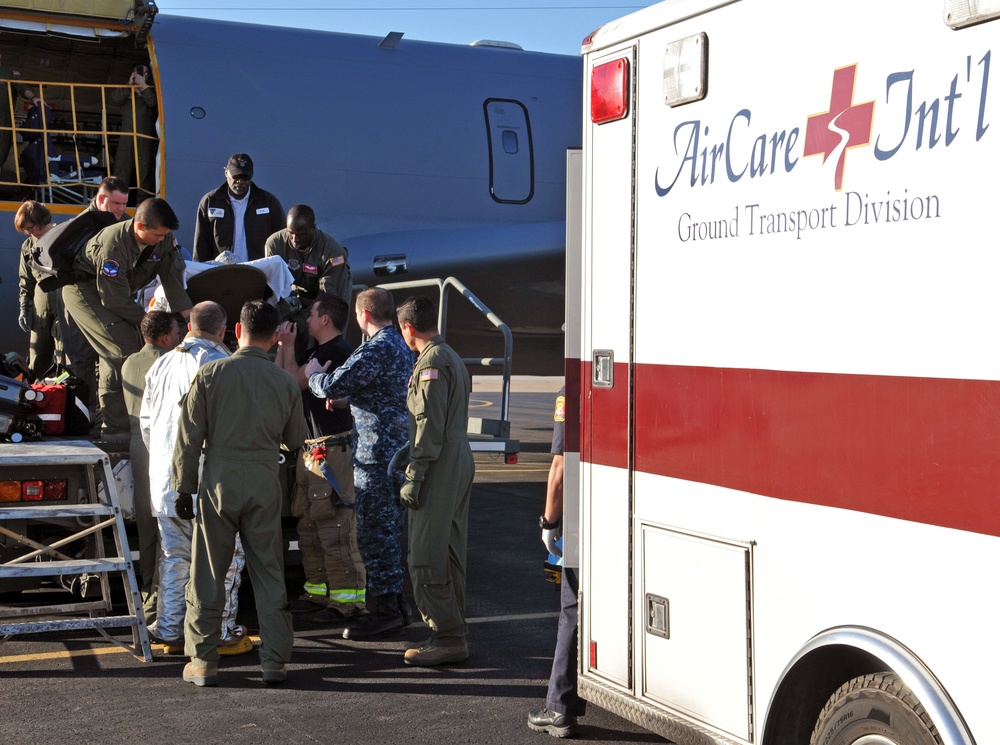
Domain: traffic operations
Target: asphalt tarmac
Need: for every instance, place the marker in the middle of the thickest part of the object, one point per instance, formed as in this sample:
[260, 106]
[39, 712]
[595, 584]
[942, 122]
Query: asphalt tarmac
[77, 687]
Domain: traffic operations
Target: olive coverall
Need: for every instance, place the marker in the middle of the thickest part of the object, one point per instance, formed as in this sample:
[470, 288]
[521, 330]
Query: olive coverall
[240, 410]
[103, 304]
[439, 475]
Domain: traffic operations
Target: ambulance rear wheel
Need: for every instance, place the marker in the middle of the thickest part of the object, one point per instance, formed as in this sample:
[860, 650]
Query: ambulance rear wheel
[874, 710]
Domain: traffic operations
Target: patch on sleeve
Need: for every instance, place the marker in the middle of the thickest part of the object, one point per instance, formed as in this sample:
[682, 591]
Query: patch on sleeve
[110, 268]
[335, 261]
[309, 268]
[560, 412]
[428, 374]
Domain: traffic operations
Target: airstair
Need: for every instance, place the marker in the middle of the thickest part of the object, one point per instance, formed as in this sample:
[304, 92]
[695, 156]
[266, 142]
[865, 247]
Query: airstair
[66, 483]
[485, 435]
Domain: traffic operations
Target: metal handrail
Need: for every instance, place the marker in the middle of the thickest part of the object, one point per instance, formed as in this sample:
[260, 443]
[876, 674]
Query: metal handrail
[442, 286]
[71, 132]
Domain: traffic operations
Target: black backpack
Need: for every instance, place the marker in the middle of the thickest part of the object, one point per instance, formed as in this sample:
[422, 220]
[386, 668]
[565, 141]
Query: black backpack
[54, 253]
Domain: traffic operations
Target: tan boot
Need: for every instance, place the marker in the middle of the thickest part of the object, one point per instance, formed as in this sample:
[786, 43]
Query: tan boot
[201, 673]
[435, 653]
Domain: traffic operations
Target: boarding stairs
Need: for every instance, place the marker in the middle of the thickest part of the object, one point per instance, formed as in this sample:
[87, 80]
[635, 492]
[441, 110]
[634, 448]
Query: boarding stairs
[95, 512]
[485, 435]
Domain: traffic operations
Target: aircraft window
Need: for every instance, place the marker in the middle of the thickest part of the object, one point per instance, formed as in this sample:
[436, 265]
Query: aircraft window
[510, 142]
[512, 165]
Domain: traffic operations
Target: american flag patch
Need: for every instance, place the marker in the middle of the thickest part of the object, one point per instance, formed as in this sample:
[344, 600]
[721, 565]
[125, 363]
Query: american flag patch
[429, 374]
[335, 261]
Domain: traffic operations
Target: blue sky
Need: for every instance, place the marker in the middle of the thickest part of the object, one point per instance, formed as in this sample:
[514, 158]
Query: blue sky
[556, 26]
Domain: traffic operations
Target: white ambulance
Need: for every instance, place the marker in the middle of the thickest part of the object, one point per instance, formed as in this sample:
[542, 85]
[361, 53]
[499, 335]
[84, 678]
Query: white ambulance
[789, 371]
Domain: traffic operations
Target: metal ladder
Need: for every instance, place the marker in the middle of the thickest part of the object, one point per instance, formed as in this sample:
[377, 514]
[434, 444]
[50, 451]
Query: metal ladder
[45, 560]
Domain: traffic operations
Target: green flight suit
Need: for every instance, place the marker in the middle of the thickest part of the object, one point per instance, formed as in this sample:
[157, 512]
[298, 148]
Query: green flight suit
[240, 410]
[439, 476]
[129, 145]
[323, 267]
[44, 347]
[104, 307]
[134, 371]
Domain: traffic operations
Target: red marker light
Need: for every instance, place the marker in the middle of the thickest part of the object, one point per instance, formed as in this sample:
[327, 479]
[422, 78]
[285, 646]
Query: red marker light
[609, 91]
[54, 489]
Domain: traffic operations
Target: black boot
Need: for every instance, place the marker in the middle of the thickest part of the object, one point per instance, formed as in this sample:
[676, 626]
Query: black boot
[404, 610]
[385, 620]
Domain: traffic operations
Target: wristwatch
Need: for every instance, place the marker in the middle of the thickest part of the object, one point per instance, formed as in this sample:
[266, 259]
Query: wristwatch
[546, 525]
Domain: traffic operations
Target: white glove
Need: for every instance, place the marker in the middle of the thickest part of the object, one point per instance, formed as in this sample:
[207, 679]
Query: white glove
[549, 538]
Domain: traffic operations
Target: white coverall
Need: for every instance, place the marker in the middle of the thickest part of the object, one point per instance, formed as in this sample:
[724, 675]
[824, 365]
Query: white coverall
[167, 382]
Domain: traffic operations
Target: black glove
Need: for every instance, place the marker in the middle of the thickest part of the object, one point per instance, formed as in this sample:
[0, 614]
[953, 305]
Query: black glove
[184, 504]
[26, 317]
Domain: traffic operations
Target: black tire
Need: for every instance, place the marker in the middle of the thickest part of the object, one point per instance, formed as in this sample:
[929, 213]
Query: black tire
[877, 710]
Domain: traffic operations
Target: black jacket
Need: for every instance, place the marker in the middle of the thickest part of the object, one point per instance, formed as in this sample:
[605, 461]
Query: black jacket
[214, 234]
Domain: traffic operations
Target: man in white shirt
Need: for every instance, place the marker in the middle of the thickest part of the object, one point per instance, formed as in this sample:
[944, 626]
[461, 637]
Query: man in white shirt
[239, 216]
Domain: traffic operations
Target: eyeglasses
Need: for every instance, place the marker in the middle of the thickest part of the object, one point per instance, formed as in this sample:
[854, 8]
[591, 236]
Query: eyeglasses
[239, 177]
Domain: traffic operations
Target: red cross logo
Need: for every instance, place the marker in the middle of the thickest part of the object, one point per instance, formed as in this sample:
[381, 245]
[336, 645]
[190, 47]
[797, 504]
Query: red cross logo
[844, 126]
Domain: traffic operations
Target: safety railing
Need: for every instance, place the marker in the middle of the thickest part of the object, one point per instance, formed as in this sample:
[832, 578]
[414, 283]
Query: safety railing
[67, 140]
[496, 430]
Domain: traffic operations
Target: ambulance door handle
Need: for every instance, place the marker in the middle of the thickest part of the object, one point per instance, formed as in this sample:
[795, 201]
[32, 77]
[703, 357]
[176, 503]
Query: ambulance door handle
[657, 616]
[603, 368]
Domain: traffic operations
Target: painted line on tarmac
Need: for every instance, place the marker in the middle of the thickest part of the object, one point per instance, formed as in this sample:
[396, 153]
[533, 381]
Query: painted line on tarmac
[69, 653]
[479, 404]
[64, 654]
[519, 617]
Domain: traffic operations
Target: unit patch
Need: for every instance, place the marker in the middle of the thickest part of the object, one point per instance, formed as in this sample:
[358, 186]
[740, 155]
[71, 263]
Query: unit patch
[428, 374]
[560, 412]
[293, 264]
[110, 268]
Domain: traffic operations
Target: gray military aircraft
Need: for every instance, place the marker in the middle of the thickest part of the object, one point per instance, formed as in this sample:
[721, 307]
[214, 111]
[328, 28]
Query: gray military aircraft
[424, 159]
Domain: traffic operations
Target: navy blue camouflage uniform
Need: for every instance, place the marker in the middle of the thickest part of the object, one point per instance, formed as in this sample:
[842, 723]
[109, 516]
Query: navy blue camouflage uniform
[375, 377]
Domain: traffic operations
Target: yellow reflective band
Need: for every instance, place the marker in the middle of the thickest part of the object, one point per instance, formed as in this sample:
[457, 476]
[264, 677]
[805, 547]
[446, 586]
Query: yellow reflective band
[315, 589]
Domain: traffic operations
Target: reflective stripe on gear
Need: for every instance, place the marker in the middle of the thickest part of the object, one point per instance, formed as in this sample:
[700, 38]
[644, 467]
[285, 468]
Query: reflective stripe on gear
[313, 588]
[349, 595]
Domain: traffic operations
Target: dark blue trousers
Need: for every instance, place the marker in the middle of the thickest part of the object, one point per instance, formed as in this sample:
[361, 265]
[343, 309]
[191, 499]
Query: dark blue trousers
[562, 697]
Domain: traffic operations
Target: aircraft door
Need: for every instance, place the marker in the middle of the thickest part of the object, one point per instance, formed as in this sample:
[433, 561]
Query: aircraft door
[512, 178]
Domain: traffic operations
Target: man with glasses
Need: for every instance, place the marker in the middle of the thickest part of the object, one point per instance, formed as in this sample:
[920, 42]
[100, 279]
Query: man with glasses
[239, 216]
